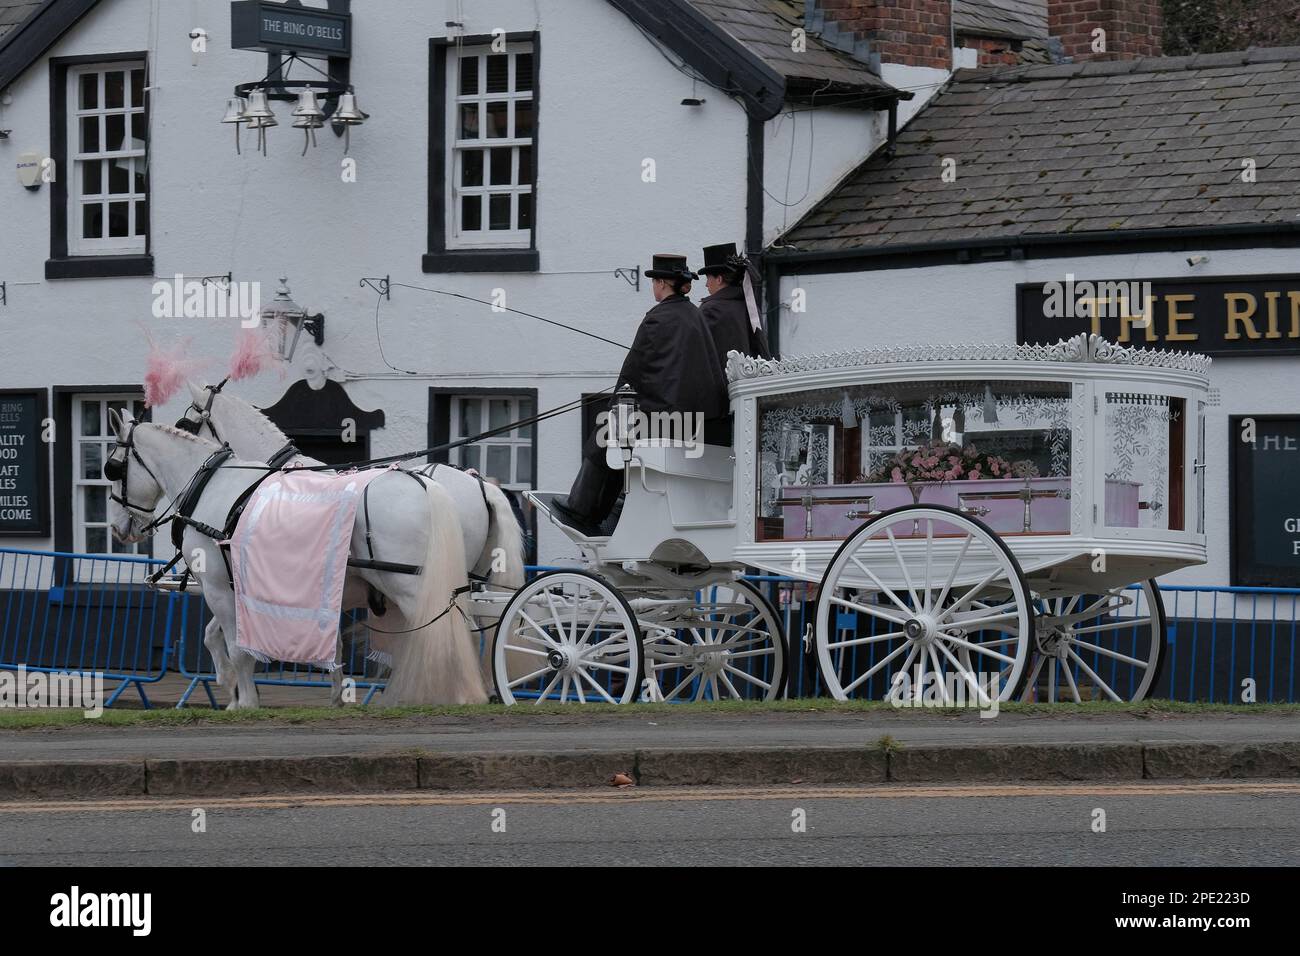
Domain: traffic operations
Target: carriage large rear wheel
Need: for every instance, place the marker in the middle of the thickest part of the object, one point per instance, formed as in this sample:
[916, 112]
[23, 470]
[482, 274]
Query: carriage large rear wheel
[1106, 646]
[567, 637]
[928, 598]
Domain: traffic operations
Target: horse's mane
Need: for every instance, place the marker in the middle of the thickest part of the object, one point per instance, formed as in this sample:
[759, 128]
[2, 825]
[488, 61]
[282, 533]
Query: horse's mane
[256, 418]
[175, 432]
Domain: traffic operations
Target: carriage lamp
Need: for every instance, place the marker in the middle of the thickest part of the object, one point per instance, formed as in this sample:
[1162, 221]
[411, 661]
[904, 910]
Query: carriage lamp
[792, 439]
[624, 412]
[285, 319]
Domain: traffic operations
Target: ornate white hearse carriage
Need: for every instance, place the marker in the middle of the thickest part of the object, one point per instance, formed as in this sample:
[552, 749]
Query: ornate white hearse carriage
[992, 516]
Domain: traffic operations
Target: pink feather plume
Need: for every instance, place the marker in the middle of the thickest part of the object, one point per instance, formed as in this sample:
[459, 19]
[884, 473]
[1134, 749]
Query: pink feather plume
[166, 370]
[252, 355]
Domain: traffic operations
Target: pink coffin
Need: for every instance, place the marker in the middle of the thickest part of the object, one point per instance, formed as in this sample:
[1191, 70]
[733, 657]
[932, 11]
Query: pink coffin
[1048, 512]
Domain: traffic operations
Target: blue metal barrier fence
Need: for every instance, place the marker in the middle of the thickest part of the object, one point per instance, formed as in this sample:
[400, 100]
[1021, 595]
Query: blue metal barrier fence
[61, 611]
[85, 613]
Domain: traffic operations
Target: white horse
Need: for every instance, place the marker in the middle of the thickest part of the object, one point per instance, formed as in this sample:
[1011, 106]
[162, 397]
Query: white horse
[433, 662]
[494, 545]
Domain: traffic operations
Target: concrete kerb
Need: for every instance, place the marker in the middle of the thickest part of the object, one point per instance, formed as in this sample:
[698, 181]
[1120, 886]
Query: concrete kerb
[778, 766]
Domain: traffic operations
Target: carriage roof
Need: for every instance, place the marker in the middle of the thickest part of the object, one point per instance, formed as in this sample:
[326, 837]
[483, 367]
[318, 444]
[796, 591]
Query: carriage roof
[754, 374]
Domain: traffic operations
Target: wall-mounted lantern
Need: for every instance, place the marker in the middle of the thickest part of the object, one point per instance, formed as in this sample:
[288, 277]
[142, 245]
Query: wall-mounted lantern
[286, 320]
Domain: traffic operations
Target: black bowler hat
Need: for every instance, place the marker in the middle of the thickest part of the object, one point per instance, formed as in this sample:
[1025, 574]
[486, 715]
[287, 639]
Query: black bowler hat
[668, 266]
[716, 258]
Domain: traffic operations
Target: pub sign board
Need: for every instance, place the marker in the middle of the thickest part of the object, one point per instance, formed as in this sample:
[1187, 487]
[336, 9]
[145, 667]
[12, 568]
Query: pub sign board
[262, 25]
[24, 463]
[1216, 315]
[1264, 495]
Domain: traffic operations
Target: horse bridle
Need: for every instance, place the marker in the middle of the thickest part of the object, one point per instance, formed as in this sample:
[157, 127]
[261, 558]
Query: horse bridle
[116, 470]
[186, 424]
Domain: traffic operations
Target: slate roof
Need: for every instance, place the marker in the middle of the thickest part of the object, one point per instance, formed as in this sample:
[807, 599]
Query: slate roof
[1018, 19]
[764, 27]
[14, 12]
[1076, 148]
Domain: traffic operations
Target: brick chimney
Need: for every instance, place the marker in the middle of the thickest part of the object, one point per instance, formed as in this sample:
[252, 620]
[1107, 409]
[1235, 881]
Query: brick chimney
[903, 32]
[1131, 28]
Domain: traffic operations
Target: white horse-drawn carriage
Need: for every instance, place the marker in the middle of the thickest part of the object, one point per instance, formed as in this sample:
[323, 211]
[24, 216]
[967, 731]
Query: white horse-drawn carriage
[991, 518]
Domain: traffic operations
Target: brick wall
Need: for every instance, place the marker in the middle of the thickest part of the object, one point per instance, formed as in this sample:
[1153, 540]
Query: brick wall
[1132, 27]
[992, 52]
[907, 32]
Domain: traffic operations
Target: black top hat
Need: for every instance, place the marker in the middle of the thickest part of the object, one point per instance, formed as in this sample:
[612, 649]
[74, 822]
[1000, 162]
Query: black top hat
[668, 266]
[716, 258]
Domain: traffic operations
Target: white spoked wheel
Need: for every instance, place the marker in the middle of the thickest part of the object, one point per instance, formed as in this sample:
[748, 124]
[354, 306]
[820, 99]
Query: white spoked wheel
[1102, 646]
[726, 645]
[567, 637]
[928, 593]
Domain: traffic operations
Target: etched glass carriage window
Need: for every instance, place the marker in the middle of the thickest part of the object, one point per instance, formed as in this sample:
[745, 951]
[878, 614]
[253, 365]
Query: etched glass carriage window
[831, 458]
[1144, 448]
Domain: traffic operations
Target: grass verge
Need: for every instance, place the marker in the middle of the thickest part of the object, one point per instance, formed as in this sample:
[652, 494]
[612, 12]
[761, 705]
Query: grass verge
[16, 719]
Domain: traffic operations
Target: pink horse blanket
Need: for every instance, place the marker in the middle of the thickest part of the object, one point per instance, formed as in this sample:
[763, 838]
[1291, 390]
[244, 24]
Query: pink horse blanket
[289, 556]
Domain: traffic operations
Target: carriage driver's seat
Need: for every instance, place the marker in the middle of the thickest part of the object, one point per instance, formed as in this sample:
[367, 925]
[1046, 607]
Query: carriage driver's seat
[680, 486]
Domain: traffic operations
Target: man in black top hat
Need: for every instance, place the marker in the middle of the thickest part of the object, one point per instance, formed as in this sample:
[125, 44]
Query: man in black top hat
[673, 367]
[731, 309]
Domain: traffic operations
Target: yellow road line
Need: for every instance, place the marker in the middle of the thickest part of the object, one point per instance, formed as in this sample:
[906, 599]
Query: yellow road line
[634, 795]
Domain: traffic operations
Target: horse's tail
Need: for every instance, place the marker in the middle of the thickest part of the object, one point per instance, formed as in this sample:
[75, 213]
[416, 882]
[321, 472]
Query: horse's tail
[436, 663]
[505, 541]
[503, 561]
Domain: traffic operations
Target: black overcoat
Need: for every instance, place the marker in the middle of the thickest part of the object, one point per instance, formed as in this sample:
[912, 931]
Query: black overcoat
[673, 365]
[728, 323]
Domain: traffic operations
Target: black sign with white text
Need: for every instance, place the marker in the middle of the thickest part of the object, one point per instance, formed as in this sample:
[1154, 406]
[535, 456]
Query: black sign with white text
[1215, 315]
[24, 463]
[261, 25]
[1265, 497]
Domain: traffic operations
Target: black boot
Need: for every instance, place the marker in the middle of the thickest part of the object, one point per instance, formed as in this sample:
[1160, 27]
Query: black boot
[589, 500]
[609, 524]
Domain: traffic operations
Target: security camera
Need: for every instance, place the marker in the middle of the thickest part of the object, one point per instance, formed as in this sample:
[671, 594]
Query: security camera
[1197, 260]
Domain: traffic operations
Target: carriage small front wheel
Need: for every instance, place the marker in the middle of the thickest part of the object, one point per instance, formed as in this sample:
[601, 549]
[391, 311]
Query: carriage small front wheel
[567, 637]
[1107, 646]
[725, 643]
[924, 602]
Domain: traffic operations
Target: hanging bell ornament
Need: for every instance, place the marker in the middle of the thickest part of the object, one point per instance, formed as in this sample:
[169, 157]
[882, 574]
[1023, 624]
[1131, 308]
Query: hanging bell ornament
[348, 115]
[260, 117]
[308, 117]
[235, 109]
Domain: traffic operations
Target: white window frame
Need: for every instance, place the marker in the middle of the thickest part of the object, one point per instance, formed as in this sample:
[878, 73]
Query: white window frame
[137, 240]
[486, 238]
[107, 440]
[511, 439]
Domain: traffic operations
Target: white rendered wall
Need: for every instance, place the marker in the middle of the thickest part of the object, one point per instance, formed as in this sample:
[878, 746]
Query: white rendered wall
[807, 152]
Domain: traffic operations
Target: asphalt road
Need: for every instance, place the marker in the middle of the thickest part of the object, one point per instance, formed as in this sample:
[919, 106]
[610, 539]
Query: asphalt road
[1193, 824]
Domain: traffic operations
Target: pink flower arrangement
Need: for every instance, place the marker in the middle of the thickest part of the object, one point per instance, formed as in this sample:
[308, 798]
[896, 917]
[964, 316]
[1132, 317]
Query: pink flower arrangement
[939, 461]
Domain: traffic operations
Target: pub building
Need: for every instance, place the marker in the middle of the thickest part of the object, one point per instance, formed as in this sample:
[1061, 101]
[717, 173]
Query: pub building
[406, 165]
